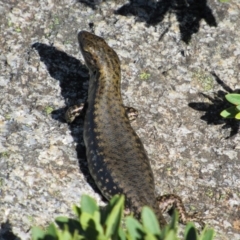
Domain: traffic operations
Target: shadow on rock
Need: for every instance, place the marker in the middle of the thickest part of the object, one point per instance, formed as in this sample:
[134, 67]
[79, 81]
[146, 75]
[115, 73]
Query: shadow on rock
[189, 13]
[90, 3]
[73, 79]
[6, 232]
[218, 103]
[70, 72]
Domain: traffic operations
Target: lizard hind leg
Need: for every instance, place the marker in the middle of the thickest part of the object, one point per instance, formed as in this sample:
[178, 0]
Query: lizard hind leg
[73, 112]
[171, 201]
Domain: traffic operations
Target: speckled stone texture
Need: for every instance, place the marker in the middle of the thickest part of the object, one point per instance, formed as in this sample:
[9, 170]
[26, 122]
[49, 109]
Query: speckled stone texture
[179, 58]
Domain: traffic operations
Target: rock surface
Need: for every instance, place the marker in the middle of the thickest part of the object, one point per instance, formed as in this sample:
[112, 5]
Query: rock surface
[178, 62]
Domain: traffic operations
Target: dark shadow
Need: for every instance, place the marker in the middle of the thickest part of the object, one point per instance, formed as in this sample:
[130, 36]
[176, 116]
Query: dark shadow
[73, 79]
[218, 103]
[189, 13]
[6, 232]
[72, 225]
[90, 3]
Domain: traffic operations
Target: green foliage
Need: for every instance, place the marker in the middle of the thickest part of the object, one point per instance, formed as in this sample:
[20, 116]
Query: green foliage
[4, 154]
[223, 1]
[1, 182]
[234, 111]
[203, 79]
[48, 109]
[144, 76]
[94, 223]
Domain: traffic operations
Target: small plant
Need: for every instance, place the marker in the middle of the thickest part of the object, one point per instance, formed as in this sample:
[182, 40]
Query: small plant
[94, 223]
[4, 154]
[48, 109]
[18, 29]
[1, 182]
[203, 80]
[56, 21]
[234, 111]
[144, 76]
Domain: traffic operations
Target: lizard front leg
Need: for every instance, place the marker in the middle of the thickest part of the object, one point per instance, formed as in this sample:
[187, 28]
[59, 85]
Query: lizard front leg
[76, 110]
[73, 112]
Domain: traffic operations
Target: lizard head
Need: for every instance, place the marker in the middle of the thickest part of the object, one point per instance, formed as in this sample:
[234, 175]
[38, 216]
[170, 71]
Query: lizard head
[99, 57]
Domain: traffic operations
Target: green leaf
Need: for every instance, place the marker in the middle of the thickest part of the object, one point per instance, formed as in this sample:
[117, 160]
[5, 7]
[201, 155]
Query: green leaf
[96, 218]
[114, 219]
[121, 234]
[51, 230]
[106, 210]
[37, 233]
[224, 1]
[174, 221]
[77, 210]
[233, 98]
[88, 204]
[134, 228]
[85, 219]
[150, 236]
[77, 236]
[171, 235]
[229, 112]
[172, 226]
[89, 226]
[207, 234]
[67, 223]
[91, 231]
[190, 232]
[150, 221]
[238, 116]
[62, 219]
[64, 235]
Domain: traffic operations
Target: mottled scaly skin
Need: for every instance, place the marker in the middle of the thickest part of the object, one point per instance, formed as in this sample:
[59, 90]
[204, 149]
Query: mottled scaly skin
[116, 157]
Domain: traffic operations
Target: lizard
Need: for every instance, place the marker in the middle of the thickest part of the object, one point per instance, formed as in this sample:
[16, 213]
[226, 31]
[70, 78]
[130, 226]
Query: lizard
[116, 157]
